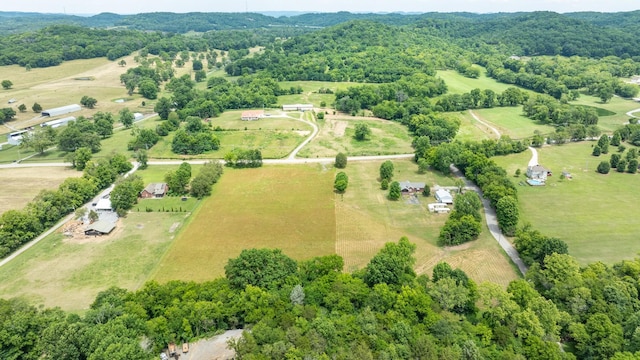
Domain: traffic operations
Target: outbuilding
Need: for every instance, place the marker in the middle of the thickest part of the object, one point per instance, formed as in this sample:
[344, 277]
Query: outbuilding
[59, 122]
[104, 205]
[99, 227]
[61, 110]
[444, 196]
[297, 107]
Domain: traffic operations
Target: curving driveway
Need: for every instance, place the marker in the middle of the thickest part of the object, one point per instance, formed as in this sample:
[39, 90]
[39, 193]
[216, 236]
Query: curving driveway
[492, 223]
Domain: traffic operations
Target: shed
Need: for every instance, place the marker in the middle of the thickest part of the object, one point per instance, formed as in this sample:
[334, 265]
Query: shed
[137, 116]
[409, 187]
[154, 190]
[444, 196]
[11, 101]
[104, 205]
[58, 122]
[61, 110]
[15, 138]
[252, 115]
[100, 227]
[297, 107]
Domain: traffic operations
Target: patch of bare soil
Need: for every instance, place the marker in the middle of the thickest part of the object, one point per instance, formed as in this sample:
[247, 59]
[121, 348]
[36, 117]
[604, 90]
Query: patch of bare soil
[302, 132]
[74, 233]
[339, 127]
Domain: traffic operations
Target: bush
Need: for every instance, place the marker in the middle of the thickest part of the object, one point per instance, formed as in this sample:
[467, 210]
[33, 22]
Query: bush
[384, 185]
[341, 161]
[604, 167]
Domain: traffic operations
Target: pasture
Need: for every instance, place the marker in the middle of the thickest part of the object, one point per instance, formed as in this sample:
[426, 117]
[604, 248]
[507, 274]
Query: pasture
[612, 114]
[310, 93]
[70, 272]
[337, 131]
[21, 185]
[66, 84]
[458, 84]
[592, 213]
[285, 207]
[366, 220]
[511, 122]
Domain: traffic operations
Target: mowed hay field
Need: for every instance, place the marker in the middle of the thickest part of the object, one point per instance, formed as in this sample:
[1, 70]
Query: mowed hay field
[21, 185]
[70, 272]
[285, 207]
[594, 214]
[366, 220]
[66, 84]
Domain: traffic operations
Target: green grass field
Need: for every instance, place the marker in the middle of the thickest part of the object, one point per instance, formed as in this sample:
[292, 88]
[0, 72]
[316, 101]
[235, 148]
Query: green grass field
[510, 121]
[458, 84]
[310, 94]
[593, 213]
[615, 109]
[366, 220]
[286, 207]
[336, 135]
[69, 272]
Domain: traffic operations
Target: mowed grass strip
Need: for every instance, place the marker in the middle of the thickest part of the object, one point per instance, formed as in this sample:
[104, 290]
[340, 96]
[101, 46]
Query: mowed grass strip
[593, 213]
[21, 185]
[69, 273]
[285, 207]
[366, 220]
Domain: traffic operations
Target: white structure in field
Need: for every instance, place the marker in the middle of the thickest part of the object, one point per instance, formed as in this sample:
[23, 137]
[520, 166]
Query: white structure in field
[15, 138]
[438, 208]
[61, 110]
[59, 122]
[137, 116]
[444, 196]
[297, 107]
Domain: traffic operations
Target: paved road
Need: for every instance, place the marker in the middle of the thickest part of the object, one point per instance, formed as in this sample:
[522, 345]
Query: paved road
[492, 223]
[630, 113]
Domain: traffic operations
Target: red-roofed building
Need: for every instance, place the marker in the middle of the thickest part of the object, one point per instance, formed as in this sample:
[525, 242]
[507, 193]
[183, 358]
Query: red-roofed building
[252, 115]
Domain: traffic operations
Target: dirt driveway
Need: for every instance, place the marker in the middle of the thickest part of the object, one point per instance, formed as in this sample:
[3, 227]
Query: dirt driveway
[214, 348]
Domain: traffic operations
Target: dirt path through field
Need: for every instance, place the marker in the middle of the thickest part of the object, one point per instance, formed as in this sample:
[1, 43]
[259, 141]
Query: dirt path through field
[478, 119]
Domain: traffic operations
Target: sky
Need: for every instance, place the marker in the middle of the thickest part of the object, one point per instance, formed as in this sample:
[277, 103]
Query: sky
[182, 6]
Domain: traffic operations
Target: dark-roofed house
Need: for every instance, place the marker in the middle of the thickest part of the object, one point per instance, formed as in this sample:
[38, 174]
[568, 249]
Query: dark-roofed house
[408, 187]
[99, 227]
[154, 190]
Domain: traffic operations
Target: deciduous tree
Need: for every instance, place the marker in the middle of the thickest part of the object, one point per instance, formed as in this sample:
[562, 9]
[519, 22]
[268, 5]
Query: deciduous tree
[341, 161]
[394, 191]
[264, 268]
[362, 132]
[7, 84]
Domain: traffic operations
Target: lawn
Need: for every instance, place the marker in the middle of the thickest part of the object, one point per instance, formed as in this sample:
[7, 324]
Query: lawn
[285, 207]
[21, 185]
[336, 135]
[230, 120]
[69, 273]
[593, 213]
[366, 220]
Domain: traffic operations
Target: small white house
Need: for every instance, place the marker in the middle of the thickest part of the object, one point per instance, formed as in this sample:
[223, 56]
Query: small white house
[444, 196]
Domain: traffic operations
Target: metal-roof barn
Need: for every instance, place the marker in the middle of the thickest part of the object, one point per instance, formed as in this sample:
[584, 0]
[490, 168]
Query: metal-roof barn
[61, 110]
[99, 228]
